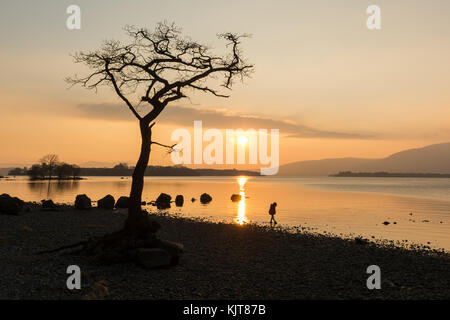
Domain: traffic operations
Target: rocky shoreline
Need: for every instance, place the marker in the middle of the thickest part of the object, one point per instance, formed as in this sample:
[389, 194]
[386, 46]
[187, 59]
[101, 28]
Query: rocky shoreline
[220, 261]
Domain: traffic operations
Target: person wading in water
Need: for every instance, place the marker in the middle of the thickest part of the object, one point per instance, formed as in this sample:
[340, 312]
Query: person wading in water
[272, 213]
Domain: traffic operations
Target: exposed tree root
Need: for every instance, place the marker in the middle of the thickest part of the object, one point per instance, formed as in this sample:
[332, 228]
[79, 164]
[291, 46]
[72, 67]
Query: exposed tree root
[121, 246]
[63, 247]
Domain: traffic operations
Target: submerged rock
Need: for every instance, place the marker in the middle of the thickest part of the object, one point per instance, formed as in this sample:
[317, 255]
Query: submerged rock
[82, 202]
[123, 203]
[179, 200]
[10, 205]
[163, 201]
[107, 202]
[236, 197]
[205, 198]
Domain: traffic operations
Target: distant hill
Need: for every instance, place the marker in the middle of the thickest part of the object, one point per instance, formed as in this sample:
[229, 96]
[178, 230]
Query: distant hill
[390, 175]
[430, 159]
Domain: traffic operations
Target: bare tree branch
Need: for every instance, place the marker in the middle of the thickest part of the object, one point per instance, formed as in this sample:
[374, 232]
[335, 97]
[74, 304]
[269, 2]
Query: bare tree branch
[160, 66]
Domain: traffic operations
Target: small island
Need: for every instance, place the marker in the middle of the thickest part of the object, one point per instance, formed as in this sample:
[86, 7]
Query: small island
[383, 174]
[49, 168]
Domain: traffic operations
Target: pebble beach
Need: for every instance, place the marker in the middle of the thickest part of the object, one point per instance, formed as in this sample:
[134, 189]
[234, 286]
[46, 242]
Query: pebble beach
[220, 261]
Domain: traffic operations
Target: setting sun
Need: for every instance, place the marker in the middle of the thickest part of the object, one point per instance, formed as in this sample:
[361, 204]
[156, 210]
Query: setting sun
[242, 140]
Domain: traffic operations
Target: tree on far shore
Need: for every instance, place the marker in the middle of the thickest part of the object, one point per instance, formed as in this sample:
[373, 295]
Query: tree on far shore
[48, 169]
[148, 73]
[121, 166]
[49, 163]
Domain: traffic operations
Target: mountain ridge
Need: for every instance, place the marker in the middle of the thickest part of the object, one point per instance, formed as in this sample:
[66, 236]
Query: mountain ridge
[433, 158]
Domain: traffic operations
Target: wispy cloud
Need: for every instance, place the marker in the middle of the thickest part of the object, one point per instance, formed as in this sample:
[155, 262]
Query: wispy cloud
[213, 118]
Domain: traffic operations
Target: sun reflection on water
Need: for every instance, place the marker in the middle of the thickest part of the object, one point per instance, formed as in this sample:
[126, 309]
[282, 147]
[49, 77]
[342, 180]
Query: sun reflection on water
[241, 218]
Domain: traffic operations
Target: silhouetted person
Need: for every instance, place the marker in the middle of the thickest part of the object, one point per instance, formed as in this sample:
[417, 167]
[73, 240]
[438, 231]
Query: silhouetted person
[272, 213]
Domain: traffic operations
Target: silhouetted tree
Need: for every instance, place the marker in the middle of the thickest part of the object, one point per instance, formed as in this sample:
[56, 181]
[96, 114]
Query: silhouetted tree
[154, 69]
[36, 172]
[157, 67]
[121, 166]
[63, 171]
[49, 163]
[75, 171]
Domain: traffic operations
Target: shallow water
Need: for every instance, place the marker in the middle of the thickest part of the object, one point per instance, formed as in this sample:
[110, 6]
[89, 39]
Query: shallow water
[345, 206]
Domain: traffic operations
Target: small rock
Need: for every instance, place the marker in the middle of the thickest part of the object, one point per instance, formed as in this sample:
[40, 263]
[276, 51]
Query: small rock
[360, 241]
[205, 198]
[236, 197]
[152, 258]
[48, 204]
[193, 200]
[26, 228]
[82, 202]
[179, 200]
[163, 201]
[122, 203]
[107, 202]
[386, 223]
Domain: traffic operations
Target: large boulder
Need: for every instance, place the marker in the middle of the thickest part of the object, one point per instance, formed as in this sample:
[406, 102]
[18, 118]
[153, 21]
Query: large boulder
[236, 197]
[163, 201]
[205, 198]
[123, 203]
[175, 250]
[19, 202]
[151, 258]
[153, 226]
[107, 202]
[10, 205]
[82, 202]
[179, 200]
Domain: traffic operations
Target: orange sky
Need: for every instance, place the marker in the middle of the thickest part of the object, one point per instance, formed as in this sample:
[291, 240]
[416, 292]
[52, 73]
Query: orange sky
[320, 73]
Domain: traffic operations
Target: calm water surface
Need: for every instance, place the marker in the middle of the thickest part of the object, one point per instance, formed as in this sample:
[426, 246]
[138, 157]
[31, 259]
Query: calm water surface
[347, 206]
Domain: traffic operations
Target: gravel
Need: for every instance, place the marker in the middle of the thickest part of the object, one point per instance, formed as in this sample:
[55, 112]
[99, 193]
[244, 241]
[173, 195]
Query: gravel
[221, 261]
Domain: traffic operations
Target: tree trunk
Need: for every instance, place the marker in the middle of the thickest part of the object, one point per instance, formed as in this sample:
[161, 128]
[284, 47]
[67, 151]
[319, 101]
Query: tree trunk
[137, 222]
